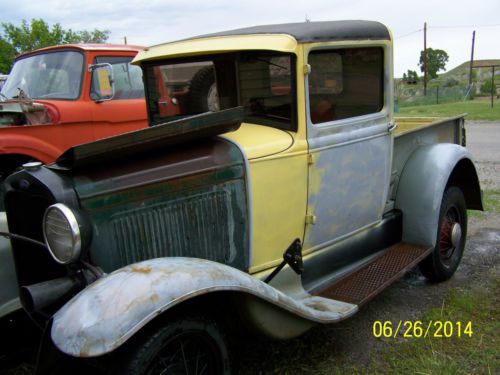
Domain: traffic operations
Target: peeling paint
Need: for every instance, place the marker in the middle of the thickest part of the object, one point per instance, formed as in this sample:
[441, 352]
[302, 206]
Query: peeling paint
[141, 270]
[102, 317]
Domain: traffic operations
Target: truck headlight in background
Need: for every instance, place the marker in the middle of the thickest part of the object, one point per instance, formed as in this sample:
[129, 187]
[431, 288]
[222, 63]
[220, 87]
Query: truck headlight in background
[62, 234]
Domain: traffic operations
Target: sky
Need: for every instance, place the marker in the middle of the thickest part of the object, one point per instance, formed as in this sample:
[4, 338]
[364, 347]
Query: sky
[450, 23]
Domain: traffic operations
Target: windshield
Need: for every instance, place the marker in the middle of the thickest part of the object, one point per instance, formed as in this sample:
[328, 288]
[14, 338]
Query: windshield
[53, 75]
[262, 82]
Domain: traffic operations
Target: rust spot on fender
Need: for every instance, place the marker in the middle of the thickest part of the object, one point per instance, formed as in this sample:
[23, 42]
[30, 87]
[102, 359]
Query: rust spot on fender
[141, 269]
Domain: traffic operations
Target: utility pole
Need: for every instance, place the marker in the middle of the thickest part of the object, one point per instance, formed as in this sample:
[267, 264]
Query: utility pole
[493, 87]
[471, 58]
[425, 58]
[124, 40]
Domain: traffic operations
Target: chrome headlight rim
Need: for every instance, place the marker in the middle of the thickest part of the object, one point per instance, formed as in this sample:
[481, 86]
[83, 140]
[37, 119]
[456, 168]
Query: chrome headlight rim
[76, 235]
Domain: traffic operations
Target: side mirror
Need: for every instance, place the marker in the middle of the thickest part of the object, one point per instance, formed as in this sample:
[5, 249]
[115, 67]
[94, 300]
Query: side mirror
[102, 88]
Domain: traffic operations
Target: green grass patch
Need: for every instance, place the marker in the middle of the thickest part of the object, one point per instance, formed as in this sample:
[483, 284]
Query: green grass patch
[474, 352]
[491, 203]
[477, 109]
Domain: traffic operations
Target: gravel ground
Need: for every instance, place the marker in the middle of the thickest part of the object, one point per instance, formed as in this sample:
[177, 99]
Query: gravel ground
[483, 141]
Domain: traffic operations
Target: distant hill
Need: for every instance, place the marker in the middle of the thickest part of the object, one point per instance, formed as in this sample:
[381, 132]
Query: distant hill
[461, 72]
[452, 85]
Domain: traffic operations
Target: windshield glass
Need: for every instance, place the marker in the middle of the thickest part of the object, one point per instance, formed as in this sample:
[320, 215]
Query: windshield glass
[262, 82]
[54, 75]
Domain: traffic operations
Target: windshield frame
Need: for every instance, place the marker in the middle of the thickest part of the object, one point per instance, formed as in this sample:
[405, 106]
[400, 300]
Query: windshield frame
[150, 80]
[77, 93]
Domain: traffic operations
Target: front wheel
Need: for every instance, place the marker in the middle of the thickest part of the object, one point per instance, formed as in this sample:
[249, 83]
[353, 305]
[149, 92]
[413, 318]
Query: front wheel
[184, 346]
[442, 263]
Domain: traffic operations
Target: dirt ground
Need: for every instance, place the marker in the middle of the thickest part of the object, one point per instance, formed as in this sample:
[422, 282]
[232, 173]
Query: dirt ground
[352, 341]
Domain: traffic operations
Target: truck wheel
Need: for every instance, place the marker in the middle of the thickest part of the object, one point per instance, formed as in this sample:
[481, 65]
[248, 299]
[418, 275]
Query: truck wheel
[184, 346]
[203, 91]
[442, 263]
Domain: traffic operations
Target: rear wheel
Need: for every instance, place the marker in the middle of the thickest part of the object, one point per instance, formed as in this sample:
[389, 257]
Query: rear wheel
[442, 263]
[184, 346]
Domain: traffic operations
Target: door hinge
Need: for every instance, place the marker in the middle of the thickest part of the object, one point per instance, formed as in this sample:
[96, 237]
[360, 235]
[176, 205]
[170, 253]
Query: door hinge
[310, 219]
[310, 159]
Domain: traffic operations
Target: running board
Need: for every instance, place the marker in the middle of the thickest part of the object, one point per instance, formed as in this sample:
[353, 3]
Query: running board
[361, 285]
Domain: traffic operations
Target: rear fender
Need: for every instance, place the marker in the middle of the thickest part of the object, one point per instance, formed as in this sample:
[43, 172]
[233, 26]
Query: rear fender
[426, 175]
[108, 312]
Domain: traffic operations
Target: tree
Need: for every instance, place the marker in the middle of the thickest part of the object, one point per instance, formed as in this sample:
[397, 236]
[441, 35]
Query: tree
[487, 87]
[411, 78]
[37, 34]
[436, 61]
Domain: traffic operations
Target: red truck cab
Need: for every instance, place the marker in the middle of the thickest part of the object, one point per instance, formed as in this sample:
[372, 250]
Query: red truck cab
[53, 100]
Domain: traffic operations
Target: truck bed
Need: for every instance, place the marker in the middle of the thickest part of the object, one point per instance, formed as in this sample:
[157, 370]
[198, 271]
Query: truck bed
[413, 132]
[413, 124]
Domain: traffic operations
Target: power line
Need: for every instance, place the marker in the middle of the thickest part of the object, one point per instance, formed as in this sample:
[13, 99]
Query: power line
[448, 27]
[413, 32]
[463, 26]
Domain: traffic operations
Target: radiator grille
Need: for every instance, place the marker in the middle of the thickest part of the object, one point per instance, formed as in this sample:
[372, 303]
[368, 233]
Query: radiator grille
[200, 226]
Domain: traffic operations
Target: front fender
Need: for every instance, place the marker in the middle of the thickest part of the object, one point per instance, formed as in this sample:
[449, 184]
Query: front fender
[9, 298]
[107, 313]
[33, 147]
[423, 181]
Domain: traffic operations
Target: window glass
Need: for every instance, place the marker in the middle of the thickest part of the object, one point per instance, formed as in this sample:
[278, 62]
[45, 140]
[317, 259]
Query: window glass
[50, 75]
[261, 82]
[345, 83]
[127, 78]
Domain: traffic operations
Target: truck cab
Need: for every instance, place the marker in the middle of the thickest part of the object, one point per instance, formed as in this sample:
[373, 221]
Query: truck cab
[290, 199]
[52, 101]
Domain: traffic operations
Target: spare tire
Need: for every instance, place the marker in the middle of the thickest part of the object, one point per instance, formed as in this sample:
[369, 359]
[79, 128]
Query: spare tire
[203, 91]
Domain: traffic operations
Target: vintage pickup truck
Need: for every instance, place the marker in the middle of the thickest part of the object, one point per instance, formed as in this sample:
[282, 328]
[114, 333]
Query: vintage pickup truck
[54, 99]
[61, 96]
[293, 203]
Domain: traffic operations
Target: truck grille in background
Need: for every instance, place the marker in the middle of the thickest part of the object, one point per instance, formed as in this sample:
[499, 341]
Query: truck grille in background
[200, 226]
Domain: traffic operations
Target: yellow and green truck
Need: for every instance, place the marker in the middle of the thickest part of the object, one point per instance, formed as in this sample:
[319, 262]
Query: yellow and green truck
[290, 200]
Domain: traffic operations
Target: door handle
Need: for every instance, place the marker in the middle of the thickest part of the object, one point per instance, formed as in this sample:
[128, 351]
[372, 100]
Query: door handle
[392, 125]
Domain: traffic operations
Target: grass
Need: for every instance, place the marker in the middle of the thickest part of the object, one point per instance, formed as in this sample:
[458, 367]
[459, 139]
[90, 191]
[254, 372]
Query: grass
[478, 109]
[491, 202]
[476, 353]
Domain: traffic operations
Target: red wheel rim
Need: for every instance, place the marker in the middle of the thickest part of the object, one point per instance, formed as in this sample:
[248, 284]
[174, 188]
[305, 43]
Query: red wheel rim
[447, 246]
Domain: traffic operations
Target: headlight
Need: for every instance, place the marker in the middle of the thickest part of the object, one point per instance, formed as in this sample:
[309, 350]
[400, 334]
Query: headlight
[62, 233]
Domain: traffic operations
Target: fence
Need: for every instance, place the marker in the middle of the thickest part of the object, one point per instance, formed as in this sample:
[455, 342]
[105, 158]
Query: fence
[411, 95]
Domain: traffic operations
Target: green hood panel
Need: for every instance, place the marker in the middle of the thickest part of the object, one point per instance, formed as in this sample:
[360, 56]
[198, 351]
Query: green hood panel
[189, 200]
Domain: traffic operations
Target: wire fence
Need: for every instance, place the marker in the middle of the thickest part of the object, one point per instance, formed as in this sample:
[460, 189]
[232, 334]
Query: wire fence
[409, 96]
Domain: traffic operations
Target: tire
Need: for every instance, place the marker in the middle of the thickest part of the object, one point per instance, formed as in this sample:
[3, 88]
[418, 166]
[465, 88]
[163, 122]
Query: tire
[442, 263]
[203, 91]
[184, 346]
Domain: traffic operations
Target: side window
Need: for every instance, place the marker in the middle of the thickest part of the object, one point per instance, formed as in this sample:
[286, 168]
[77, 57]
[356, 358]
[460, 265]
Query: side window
[127, 78]
[345, 83]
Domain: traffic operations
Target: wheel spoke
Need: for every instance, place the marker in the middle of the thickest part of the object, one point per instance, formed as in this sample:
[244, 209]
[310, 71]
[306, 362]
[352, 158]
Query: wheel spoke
[184, 359]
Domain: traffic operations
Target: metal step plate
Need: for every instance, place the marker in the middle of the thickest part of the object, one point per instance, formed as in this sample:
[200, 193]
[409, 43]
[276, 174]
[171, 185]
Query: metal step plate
[366, 282]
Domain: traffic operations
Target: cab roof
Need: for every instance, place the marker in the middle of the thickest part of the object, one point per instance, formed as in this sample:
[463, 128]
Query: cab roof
[317, 31]
[87, 47]
[281, 37]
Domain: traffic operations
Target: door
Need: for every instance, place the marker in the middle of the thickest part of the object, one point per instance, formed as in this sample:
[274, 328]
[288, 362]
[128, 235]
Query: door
[350, 141]
[126, 111]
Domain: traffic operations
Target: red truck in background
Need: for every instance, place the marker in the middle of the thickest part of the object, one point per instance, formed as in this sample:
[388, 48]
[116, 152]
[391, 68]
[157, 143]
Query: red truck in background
[60, 96]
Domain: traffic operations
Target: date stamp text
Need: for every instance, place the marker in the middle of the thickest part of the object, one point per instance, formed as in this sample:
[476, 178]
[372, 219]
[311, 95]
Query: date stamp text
[418, 329]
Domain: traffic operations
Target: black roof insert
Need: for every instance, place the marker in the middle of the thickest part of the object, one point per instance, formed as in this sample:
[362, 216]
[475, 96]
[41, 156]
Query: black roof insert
[317, 31]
